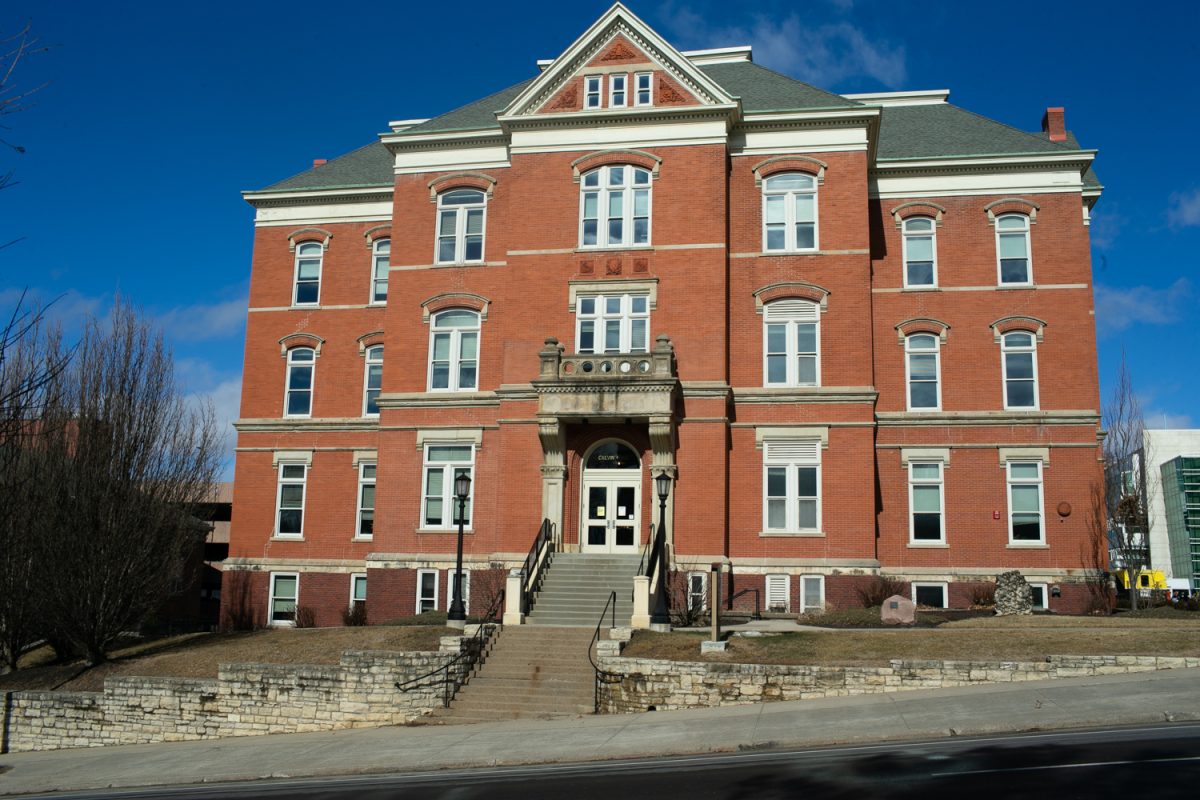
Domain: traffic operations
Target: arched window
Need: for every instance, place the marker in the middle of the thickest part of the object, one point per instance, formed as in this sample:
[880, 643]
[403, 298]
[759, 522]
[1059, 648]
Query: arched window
[1014, 265]
[460, 226]
[372, 381]
[920, 252]
[454, 351]
[381, 252]
[614, 207]
[1019, 353]
[790, 212]
[301, 362]
[922, 351]
[307, 289]
[791, 343]
[613, 455]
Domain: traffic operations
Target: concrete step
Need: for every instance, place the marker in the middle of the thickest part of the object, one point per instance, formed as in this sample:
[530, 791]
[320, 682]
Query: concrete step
[450, 717]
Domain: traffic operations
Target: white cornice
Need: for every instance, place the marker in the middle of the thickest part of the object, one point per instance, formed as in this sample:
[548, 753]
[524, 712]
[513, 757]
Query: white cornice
[1080, 158]
[350, 194]
[719, 55]
[926, 97]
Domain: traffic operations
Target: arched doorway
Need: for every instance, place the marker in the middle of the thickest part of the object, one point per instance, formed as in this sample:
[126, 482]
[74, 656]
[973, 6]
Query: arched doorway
[611, 498]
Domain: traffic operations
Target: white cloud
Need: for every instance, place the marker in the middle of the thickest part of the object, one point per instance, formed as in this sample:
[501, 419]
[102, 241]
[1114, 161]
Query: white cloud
[226, 399]
[1166, 420]
[824, 55]
[203, 321]
[1184, 210]
[1118, 308]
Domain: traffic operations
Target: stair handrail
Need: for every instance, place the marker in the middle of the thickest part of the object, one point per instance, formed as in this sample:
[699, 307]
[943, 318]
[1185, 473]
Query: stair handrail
[534, 568]
[454, 673]
[645, 550]
[603, 675]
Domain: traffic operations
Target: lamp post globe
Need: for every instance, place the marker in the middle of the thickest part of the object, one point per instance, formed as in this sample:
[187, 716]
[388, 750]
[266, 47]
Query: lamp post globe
[457, 615]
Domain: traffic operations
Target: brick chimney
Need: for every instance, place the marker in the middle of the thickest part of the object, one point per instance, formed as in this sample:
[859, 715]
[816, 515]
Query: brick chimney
[319, 161]
[1054, 124]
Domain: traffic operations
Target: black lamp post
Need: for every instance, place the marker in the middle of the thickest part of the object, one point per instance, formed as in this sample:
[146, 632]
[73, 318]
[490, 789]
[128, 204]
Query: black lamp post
[662, 612]
[457, 617]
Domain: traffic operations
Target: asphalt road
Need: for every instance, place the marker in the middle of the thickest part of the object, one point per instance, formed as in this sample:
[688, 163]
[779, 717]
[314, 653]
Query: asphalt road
[1155, 763]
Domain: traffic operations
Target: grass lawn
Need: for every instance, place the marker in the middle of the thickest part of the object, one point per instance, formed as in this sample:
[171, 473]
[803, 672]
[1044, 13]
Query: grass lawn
[197, 655]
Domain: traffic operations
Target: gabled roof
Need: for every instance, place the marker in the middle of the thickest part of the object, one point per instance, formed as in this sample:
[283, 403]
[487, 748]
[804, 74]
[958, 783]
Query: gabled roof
[479, 115]
[761, 89]
[943, 130]
[368, 166]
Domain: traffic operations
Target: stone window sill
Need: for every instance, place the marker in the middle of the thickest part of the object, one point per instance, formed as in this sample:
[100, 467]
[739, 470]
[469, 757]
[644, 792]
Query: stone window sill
[929, 545]
[1030, 546]
[362, 538]
[452, 531]
[278, 538]
[792, 534]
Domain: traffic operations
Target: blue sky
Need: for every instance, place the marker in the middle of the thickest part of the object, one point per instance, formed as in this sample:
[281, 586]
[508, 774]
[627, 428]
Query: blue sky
[155, 116]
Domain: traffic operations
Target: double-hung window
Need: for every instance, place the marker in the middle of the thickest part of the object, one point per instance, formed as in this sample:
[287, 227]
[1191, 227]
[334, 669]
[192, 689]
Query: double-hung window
[289, 503]
[1019, 351]
[461, 215]
[591, 91]
[925, 502]
[307, 290]
[812, 593]
[791, 343]
[381, 253]
[372, 381]
[697, 591]
[613, 323]
[454, 351]
[301, 362]
[1025, 516]
[365, 525]
[617, 88]
[791, 485]
[285, 594]
[444, 463]
[920, 253]
[427, 590]
[1012, 250]
[922, 357]
[358, 590]
[642, 87]
[790, 213]
[615, 207]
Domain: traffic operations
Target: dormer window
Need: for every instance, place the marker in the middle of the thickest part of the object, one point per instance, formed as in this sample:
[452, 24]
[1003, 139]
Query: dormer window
[617, 86]
[643, 96]
[591, 91]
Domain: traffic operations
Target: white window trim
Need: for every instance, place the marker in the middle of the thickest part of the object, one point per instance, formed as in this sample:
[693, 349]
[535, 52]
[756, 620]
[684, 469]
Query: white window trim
[789, 238]
[358, 506]
[792, 495]
[1032, 350]
[941, 484]
[460, 229]
[787, 591]
[1045, 587]
[589, 92]
[436, 583]
[279, 484]
[466, 573]
[375, 257]
[627, 214]
[932, 585]
[637, 76]
[625, 317]
[354, 577]
[271, 623]
[287, 381]
[455, 352]
[703, 576]
[449, 501]
[804, 608]
[367, 377]
[932, 234]
[937, 363]
[612, 89]
[791, 348]
[1028, 249]
[320, 258]
[1041, 486]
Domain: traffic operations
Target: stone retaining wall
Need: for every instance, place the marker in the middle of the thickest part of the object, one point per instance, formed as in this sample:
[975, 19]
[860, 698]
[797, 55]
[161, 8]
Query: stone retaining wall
[639, 684]
[244, 700]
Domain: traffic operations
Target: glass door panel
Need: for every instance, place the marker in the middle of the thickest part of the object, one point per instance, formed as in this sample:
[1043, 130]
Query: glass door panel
[625, 516]
[597, 515]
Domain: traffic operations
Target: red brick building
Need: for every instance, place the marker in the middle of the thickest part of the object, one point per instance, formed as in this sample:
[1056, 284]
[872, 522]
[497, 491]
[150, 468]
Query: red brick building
[855, 331]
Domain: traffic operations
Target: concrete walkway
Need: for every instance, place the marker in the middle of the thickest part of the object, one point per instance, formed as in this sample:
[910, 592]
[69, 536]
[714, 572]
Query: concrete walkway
[1142, 698]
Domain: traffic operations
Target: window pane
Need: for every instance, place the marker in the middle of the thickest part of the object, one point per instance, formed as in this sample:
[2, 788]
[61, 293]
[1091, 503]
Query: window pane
[591, 204]
[930, 596]
[806, 236]
[790, 181]
[1027, 527]
[922, 366]
[777, 368]
[587, 305]
[641, 230]
[445, 250]
[298, 403]
[616, 176]
[927, 499]
[612, 336]
[806, 204]
[641, 203]
[285, 587]
[441, 346]
[775, 238]
[616, 204]
[640, 176]
[1025, 499]
[368, 471]
[918, 224]
[776, 338]
[922, 342]
[289, 520]
[927, 527]
[1020, 394]
[637, 336]
[923, 395]
[1018, 340]
[1012, 245]
[806, 370]
[806, 480]
[467, 345]
[1014, 271]
[448, 220]
[638, 305]
[293, 471]
[1022, 470]
[475, 221]
[920, 273]
[309, 270]
[616, 231]
[589, 231]
[466, 375]
[307, 292]
[300, 354]
[440, 376]
[462, 197]
[806, 338]
[450, 452]
[926, 471]
[920, 248]
[456, 319]
[300, 378]
[474, 251]
[776, 209]
[592, 178]
[372, 401]
[374, 376]
[433, 511]
[808, 514]
[776, 481]
[587, 336]
[1011, 222]
[360, 588]
[777, 514]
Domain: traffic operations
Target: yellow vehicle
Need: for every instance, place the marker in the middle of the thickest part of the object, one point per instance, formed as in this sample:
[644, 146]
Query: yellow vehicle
[1147, 579]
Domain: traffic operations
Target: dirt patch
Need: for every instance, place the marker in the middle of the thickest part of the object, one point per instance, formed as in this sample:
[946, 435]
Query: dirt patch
[197, 655]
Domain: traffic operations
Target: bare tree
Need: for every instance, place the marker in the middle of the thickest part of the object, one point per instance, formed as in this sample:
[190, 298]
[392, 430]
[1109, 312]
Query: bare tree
[1125, 482]
[132, 466]
[13, 49]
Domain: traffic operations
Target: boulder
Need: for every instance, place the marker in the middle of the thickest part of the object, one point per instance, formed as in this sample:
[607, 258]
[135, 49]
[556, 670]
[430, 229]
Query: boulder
[897, 610]
[1013, 595]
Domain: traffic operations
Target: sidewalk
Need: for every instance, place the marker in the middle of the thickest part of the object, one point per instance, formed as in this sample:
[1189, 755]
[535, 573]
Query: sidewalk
[1143, 698]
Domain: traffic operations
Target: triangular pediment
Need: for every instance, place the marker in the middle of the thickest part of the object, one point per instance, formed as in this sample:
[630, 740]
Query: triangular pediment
[618, 44]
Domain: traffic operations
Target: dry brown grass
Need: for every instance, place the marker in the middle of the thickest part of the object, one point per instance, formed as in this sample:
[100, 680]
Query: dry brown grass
[877, 647]
[197, 655]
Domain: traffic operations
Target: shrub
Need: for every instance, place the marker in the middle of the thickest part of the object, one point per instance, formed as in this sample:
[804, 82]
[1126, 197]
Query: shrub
[305, 618]
[983, 595]
[355, 615]
[878, 589]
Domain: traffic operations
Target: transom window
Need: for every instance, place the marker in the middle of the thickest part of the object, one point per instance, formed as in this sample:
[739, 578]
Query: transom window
[307, 290]
[920, 252]
[1012, 250]
[790, 212]
[366, 500]
[615, 207]
[289, 504]
[922, 352]
[791, 343]
[642, 85]
[372, 381]
[301, 362]
[791, 485]
[381, 252]
[454, 351]
[613, 323]
[444, 463]
[925, 501]
[1019, 351]
[1025, 502]
[460, 226]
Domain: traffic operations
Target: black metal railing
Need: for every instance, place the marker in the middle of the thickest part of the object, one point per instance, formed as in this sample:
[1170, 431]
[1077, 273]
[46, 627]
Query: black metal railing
[454, 673]
[646, 551]
[603, 676]
[757, 601]
[535, 564]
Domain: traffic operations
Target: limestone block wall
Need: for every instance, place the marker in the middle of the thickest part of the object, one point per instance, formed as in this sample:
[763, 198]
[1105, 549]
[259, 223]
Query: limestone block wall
[638, 684]
[244, 700]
